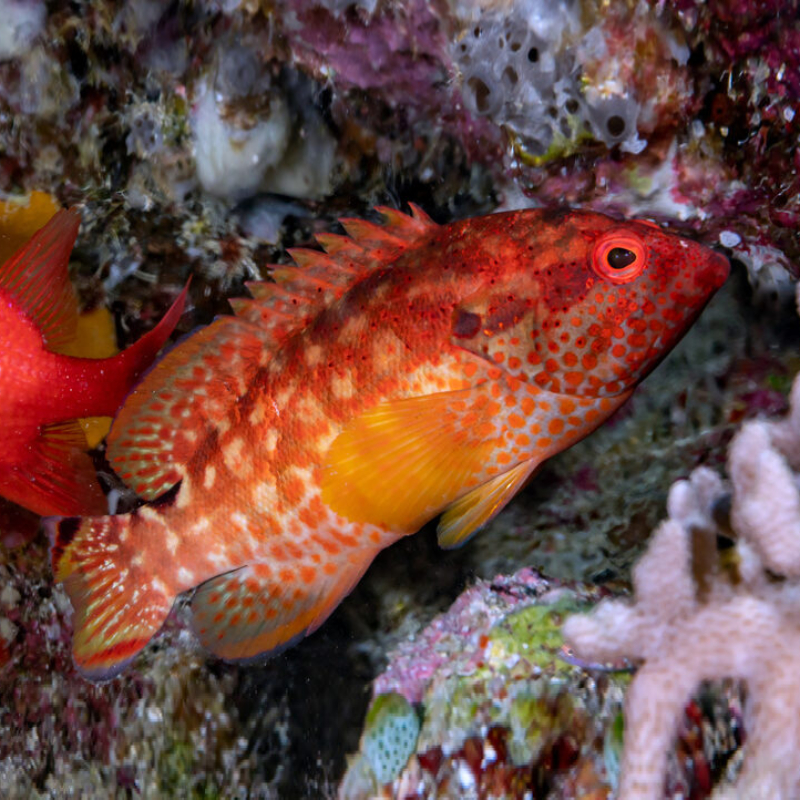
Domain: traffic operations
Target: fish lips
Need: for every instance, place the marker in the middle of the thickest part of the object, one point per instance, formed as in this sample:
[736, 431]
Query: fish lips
[716, 271]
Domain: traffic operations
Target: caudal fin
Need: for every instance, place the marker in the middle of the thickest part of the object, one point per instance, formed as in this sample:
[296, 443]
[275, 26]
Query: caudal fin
[131, 363]
[118, 605]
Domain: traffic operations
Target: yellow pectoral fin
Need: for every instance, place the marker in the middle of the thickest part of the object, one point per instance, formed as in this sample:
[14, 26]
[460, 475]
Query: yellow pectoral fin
[476, 508]
[400, 463]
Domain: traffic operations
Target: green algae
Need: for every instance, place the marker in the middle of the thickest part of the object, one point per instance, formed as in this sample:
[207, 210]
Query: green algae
[534, 632]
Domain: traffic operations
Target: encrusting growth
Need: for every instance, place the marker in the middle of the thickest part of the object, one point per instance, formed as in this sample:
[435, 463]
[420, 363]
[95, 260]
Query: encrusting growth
[695, 619]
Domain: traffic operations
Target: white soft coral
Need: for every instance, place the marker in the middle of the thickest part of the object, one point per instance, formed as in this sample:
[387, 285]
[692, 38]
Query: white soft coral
[691, 621]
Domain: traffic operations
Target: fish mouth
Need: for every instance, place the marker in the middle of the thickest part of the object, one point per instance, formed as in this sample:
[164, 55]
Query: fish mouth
[716, 272]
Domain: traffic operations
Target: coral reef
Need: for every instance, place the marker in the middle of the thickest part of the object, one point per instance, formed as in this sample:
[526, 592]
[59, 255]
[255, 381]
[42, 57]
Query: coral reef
[506, 712]
[683, 112]
[697, 617]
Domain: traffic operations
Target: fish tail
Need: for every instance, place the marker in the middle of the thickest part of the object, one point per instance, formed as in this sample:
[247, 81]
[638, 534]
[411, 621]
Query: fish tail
[127, 366]
[118, 604]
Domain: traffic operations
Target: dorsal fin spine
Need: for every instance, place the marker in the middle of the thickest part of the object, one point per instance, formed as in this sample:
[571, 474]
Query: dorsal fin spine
[294, 274]
[296, 293]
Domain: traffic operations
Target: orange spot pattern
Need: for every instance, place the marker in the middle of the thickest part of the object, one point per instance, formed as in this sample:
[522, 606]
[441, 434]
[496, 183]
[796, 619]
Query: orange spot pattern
[576, 343]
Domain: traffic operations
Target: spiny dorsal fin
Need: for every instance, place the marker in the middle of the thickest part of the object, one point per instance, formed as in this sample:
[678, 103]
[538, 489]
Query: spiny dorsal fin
[319, 278]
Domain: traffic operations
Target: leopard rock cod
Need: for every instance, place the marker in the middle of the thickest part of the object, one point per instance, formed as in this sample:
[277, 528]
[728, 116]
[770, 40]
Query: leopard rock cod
[407, 371]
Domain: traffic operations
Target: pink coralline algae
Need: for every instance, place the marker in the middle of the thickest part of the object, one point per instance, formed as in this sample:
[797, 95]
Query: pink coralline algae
[500, 716]
[457, 639]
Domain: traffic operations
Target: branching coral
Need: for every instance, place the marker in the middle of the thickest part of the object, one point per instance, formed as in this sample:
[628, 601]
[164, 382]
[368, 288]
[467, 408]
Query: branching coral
[693, 618]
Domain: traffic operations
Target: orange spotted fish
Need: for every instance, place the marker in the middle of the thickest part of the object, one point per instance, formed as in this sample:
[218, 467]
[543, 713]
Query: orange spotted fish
[43, 463]
[410, 370]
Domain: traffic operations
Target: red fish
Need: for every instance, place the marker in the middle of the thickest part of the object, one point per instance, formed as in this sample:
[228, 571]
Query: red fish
[409, 370]
[43, 466]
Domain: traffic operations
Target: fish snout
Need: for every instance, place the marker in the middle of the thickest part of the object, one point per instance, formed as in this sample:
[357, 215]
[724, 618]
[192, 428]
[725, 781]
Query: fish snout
[715, 273]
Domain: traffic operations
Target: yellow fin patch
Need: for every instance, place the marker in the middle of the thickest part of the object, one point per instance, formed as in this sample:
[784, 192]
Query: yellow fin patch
[21, 217]
[476, 508]
[95, 337]
[400, 463]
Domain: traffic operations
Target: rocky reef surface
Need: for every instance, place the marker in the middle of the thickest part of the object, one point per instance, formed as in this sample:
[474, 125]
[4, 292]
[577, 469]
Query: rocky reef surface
[204, 138]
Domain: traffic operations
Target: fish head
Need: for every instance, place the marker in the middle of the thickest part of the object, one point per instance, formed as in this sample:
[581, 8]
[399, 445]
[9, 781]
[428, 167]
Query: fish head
[643, 287]
[592, 304]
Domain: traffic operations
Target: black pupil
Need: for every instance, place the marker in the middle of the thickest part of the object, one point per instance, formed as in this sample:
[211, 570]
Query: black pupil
[619, 258]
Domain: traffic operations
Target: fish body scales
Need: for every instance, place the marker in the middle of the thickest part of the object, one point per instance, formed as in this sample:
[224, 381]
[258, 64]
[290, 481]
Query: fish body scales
[411, 370]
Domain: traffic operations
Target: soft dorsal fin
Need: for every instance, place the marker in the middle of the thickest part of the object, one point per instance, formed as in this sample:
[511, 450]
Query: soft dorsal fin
[297, 294]
[188, 393]
[37, 280]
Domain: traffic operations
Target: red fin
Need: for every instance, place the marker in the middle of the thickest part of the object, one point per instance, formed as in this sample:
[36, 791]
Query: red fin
[126, 367]
[55, 475]
[36, 277]
[298, 293]
[167, 416]
[258, 610]
[117, 608]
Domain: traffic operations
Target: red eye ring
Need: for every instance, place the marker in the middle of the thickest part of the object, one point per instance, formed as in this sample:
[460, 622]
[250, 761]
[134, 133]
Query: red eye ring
[619, 257]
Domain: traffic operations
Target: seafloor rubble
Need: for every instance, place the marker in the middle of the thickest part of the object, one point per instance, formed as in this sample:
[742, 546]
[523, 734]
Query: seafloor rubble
[203, 138]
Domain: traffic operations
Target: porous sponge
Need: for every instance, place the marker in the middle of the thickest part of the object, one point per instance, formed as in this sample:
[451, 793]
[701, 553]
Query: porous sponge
[520, 80]
[554, 76]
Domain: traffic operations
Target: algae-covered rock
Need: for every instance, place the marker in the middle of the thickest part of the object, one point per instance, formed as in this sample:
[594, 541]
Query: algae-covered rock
[502, 710]
[508, 712]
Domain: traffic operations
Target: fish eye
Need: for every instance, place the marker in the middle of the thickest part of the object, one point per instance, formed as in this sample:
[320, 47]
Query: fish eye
[619, 257]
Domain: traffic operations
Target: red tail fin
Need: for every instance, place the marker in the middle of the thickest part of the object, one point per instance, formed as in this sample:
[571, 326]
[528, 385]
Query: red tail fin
[119, 605]
[104, 383]
[128, 366]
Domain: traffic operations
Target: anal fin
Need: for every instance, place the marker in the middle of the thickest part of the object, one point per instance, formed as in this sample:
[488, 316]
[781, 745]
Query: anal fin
[257, 610]
[476, 508]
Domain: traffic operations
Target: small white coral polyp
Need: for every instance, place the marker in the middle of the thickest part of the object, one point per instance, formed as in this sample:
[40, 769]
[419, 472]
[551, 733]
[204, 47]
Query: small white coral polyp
[692, 621]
